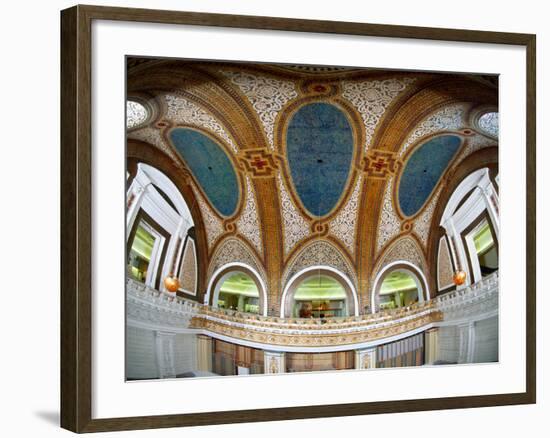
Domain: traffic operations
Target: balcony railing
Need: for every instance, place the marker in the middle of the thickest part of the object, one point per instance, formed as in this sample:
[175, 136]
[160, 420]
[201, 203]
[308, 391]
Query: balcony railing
[147, 306]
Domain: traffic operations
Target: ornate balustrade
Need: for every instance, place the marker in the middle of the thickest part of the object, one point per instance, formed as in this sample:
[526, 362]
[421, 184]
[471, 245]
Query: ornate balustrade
[149, 307]
[478, 301]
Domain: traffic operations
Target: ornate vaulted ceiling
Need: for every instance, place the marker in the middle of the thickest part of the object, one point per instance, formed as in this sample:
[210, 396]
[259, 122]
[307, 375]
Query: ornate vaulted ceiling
[290, 165]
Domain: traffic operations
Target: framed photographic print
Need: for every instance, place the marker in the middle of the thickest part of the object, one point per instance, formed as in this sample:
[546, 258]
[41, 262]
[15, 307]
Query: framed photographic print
[267, 219]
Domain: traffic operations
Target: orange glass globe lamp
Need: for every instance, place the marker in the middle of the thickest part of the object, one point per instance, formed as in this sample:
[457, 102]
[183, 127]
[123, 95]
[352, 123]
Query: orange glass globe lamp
[171, 283]
[459, 277]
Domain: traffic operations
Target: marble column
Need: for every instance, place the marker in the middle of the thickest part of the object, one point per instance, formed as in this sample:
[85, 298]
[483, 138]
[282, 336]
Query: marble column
[164, 342]
[204, 353]
[365, 358]
[274, 362]
[431, 345]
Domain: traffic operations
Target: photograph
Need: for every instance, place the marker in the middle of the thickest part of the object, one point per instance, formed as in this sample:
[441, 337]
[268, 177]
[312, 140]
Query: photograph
[293, 218]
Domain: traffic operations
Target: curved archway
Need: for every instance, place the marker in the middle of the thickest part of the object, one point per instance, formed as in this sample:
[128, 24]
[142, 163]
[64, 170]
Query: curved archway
[160, 180]
[226, 272]
[406, 272]
[351, 303]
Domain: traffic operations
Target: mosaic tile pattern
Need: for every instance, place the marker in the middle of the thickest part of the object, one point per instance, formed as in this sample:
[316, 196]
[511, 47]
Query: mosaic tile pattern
[488, 122]
[181, 110]
[423, 170]
[136, 114]
[451, 117]
[210, 166]
[154, 137]
[319, 149]
[248, 224]
[343, 225]
[422, 223]
[319, 252]
[232, 250]
[295, 226]
[188, 274]
[372, 98]
[406, 249]
[213, 225]
[389, 225]
[444, 265]
[267, 96]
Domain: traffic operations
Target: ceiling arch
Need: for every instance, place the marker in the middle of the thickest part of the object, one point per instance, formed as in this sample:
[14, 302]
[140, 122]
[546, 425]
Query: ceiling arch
[245, 108]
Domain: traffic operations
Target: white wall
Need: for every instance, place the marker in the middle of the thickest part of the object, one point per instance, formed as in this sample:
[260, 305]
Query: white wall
[141, 360]
[486, 333]
[185, 353]
[30, 182]
[453, 345]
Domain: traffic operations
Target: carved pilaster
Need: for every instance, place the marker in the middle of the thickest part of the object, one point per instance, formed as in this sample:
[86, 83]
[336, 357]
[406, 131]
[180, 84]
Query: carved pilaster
[431, 346]
[204, 353]
[274, 362]
[365, 359]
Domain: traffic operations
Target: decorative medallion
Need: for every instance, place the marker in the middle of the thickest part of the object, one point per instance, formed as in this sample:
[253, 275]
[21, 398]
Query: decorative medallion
[380, 164]
[258, 162]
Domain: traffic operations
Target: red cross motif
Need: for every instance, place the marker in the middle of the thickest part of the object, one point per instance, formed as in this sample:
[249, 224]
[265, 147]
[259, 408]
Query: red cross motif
[258, 163]
[380, 164]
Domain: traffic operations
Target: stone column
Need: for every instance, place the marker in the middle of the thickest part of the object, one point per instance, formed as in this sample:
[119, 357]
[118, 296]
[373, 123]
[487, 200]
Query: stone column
[204, 353]
[365, 359]
[431, 345]
[274, 362]
[165, 354]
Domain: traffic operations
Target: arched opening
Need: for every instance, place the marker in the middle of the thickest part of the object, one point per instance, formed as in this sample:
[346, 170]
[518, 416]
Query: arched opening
[157, 220]
[319, 293]
[238, 287]
[239, 292]
[398, 289]
[398, 285]
[470, 220]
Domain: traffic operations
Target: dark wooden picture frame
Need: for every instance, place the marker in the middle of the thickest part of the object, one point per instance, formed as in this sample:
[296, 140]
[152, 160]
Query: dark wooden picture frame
[76, 218]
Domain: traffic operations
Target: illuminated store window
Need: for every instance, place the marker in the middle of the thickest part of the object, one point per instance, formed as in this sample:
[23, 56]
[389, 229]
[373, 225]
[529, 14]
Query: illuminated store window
[486, 249]
[145, 252]
[319, 296]
[398, 289]
[239, 292]
[141, 252]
